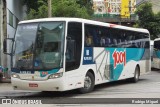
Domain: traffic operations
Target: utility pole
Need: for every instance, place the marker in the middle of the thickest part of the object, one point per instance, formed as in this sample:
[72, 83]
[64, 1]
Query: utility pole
[49, 8]
[130, 10]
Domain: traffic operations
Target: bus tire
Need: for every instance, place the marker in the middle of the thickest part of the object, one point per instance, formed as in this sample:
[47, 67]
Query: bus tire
[89, 83]
[136, 75]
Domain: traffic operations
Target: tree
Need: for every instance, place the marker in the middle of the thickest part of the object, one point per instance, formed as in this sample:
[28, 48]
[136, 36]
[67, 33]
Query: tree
[42, 12]
[34, 4]
[148, 20]
[69, 8]
[88, 4]
[60, 8]
[157, 22]
[36, 8]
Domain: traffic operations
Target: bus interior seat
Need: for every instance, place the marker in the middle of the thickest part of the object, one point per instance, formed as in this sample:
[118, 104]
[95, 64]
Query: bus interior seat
[103, 42]
[108, 41]
[96, 39]
[119, 41]
[125, 42]
[115, 41]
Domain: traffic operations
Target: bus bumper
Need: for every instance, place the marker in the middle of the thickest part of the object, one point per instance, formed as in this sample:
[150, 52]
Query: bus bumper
[46, 85]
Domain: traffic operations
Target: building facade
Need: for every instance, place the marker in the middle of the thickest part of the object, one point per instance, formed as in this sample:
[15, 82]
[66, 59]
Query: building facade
[11, 12]
[114, 7]
[115, 11]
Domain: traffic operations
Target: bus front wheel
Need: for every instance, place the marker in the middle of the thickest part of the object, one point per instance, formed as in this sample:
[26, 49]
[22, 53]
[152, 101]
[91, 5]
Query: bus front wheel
[88, 83]
[136, 75]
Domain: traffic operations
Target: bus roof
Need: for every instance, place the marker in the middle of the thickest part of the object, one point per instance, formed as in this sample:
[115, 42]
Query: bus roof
[157, 39]
[86, 21]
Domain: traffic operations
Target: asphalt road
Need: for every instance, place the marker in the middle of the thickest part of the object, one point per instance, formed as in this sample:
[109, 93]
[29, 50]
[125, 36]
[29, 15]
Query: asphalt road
[121, 91]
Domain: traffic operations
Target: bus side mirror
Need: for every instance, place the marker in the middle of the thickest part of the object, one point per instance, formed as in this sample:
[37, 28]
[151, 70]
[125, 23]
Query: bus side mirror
[7, 43]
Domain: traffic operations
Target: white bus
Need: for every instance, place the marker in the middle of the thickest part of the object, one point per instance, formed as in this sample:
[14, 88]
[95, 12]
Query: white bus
[151, 47]
[58, 54]
[156, 54]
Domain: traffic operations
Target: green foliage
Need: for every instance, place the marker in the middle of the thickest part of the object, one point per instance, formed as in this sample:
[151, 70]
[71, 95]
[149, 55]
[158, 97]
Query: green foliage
[42, 12]
[60, 8]
[87, 4]
[69, 8]
[148, 20]
[34, 4]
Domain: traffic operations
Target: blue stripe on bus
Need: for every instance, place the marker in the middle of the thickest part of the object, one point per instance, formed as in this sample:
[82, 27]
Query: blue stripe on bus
[157, 53]
[135, 54]
[42, 73]
[48, 72]
[15, 70]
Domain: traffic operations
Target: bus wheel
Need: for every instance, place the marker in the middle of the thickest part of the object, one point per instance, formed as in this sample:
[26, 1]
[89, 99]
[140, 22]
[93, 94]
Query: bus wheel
[136, 75]
[88, 83]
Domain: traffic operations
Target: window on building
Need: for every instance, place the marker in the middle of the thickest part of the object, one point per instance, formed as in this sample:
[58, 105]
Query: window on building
[17, 20]
[10, 18]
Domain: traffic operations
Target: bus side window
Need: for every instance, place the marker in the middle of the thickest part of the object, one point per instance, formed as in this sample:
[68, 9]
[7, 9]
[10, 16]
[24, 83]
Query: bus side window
[88, 40]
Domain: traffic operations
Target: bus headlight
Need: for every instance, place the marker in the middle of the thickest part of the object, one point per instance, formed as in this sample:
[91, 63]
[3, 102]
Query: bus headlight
[15, 75]
[57, 75]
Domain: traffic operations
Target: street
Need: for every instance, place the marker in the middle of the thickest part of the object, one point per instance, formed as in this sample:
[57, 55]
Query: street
[147, 87]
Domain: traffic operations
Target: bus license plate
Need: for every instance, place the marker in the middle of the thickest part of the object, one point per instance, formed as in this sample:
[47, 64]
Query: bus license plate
[33, 85]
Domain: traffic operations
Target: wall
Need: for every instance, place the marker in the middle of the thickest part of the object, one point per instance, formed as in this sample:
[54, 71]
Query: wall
[14, 7]
[0, 27]
[15, 12]
[3, 31]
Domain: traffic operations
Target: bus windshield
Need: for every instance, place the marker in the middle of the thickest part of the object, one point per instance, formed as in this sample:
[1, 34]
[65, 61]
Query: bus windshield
[39, 46]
